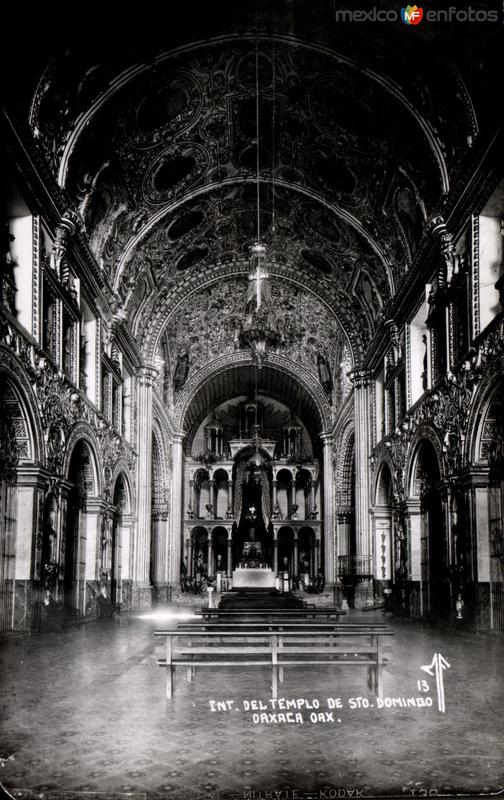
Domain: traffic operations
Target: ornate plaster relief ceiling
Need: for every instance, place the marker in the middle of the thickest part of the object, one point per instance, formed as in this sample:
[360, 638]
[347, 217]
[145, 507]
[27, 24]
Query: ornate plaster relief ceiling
[208, 325]
[154, 140]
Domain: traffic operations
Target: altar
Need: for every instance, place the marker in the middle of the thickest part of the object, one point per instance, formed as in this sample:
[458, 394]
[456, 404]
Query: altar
[253, 578]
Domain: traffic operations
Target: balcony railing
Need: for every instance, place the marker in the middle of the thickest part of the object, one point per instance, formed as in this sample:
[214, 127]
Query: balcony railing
[354, 565]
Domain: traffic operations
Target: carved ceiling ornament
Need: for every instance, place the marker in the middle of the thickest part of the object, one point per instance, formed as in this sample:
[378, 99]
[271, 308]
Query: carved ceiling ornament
[216, 224]
[350, 317]
[183, 123]
[210, 324]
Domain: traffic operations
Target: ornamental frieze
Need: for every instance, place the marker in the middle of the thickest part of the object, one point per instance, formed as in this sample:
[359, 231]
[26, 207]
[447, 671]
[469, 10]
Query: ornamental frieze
[57, 406]
[446, 410]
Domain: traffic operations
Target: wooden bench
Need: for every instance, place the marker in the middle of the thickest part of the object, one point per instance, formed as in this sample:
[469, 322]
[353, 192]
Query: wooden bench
[190, 647]
[223, 614]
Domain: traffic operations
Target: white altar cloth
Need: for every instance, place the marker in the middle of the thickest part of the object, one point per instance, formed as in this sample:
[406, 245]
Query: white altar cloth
[253, 579]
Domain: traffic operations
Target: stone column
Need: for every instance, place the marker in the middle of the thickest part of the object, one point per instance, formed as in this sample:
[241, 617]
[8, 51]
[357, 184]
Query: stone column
[229, 512]
[329, 540]
[313, 504]
[296, 558]
[191, 497]
[361, 380]
[210, 556]
[230, 554]
[159, 570]
[189, 557]
[141, 593]
[275, 551]
[317, 555]
[343, 533]
[29, 591]
[175, 531]
[444, 490]
[212, 498]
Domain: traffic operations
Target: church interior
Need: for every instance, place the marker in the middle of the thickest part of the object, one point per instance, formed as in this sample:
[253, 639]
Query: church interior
[251, 346]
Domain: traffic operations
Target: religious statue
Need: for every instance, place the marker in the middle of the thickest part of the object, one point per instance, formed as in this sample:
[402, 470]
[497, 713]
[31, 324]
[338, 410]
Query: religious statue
[324, 374]
[181, 370]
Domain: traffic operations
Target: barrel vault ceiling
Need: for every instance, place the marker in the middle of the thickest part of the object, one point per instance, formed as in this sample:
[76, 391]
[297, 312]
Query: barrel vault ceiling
[153, 138]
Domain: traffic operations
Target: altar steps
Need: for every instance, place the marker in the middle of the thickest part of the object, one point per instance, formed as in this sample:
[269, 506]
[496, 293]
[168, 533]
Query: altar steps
[259, 599]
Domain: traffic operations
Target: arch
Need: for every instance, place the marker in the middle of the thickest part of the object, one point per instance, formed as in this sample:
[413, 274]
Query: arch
[171, 299]
[82, 475]
[83, 435]
[487, 391]
[230, 375]
[13, 375]
[121, 470]
[136, 70]
[345, 448]
[284, 491]
[219, 538]
[430, 539]
[199, 538]
[383, 521]
[285, 538]
[220, 499]
[384, 484]
[121, 498]
[424, 433]
[307, 566]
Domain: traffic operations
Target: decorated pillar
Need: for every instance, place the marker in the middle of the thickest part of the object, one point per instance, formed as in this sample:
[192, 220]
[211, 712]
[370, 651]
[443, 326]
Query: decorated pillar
[142, 596]
[212, 499]
[189, 552]
[31, 490]
[361, 380]
[210, 556]
[159, 569]
[275, 551]
[329, 539]
[296, 556]
[229, 554]
[191, 498]
[229, 512]
[175, 531]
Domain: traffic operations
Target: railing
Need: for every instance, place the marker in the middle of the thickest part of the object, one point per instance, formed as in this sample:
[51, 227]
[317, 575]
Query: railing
[354, 565]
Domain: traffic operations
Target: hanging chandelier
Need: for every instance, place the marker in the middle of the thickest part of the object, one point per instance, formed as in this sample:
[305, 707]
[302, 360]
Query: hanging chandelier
[260, 327]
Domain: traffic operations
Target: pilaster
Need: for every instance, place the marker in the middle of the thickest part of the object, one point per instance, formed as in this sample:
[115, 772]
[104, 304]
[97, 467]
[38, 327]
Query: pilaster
[329, 538]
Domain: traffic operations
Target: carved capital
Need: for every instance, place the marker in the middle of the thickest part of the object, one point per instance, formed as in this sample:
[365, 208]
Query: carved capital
[360, 378]
[147, 375]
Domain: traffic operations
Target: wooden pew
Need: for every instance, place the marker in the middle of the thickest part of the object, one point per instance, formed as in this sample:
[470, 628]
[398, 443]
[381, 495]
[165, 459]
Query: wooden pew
[189, 646]
[224, 614]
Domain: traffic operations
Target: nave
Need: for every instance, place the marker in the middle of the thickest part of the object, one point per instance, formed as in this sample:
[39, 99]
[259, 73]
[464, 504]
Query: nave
[85, 711]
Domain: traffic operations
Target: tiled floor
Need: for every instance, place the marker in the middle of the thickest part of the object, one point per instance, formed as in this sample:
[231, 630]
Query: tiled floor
[85, 712]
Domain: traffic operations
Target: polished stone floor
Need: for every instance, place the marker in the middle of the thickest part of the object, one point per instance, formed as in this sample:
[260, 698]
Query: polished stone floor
[84, 714]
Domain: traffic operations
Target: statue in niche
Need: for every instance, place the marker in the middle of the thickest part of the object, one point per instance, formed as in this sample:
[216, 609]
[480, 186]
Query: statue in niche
[425, 373]
[7, 281]
[410, 215]
[369, 295]
[324, 374]
[59, 249]
[181, 370]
